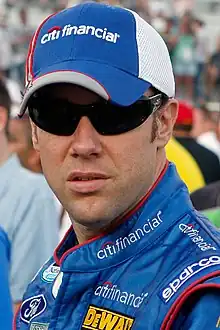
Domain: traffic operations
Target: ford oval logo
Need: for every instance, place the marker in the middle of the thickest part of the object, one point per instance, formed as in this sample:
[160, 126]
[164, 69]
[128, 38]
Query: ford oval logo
[32, 307]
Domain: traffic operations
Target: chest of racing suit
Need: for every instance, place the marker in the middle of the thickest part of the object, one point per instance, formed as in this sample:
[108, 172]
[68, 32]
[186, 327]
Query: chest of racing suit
[136, 277]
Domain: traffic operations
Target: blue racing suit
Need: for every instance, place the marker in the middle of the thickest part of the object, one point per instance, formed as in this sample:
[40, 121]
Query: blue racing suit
[160, 269]
[6, 315]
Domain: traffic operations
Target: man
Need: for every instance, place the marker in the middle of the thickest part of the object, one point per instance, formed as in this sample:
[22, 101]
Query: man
[207, 161]
[100, 94]
[28, 213]
[5, 298]
[206, 118]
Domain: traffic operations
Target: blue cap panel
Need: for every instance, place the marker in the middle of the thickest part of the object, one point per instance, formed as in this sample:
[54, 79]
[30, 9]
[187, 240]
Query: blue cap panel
[91, 32]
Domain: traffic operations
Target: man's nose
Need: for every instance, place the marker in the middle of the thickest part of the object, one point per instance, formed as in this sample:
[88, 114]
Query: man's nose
[86, 140]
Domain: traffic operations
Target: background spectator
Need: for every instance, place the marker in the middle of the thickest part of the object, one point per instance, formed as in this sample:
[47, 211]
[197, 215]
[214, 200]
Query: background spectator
[28, 212]
[21, 38]
[184, 57]
[5, 297]
[201, 53]
[213, 73]
[206, 118]
[186, 165]
[205, 158]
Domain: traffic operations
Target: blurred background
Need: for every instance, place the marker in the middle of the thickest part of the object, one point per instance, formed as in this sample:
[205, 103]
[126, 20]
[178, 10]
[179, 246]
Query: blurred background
[189, 27]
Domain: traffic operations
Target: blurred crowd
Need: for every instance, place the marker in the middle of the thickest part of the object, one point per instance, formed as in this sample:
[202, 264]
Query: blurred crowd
[194, 46]
[194, 148]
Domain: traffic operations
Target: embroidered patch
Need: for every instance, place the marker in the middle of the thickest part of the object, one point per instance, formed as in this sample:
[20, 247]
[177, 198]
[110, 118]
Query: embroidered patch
[187, 273]
[57, 284]
[32, 307]
[39, 326]
[218, 323]
[50, 273]
[105, 319]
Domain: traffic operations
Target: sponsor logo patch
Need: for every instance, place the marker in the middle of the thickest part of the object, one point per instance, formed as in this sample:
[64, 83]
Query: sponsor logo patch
[57, 284]
[50, 273]
[112, 292]
[58, 32]
[105, 319]
[169, 291]
[111, 248]
[32, 307]
[194, 236]
[39, 326]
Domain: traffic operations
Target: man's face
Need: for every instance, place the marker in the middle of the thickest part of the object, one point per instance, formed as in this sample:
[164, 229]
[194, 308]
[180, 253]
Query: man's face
[20, 143]
[97, 178]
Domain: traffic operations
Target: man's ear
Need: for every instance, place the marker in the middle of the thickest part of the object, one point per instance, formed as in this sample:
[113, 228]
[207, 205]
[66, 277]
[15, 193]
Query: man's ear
[165, 122]
[3, 118]
[34, 135]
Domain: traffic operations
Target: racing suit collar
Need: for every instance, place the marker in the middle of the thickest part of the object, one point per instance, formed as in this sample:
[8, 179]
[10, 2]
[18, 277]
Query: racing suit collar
[139, 229]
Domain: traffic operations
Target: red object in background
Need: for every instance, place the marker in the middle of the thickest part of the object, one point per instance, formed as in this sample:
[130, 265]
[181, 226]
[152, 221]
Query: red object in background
[185, 115]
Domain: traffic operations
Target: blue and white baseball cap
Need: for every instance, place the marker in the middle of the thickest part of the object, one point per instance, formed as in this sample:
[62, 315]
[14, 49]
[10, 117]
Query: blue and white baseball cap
[109, 50]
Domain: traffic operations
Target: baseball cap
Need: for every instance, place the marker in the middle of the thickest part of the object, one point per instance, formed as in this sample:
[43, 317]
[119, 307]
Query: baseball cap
[109, 50]
[185, 114]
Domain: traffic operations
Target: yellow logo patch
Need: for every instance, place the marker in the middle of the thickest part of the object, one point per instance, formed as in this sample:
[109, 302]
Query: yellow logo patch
[104, 319]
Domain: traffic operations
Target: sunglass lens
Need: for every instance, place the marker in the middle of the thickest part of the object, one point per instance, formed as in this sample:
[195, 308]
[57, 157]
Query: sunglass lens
[114, 120]
[54, 116]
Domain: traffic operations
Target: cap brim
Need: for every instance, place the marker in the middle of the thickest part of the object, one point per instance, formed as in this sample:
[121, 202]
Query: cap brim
[108, 82]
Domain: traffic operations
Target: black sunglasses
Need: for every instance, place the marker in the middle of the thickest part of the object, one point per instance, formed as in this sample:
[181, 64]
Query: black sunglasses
[61, 117]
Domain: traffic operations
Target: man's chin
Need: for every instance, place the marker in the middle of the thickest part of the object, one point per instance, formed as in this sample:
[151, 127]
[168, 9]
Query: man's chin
[92, 212]
[93, 222]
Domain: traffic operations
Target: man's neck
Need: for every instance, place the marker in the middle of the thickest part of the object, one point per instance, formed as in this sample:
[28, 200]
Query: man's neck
[85, 233]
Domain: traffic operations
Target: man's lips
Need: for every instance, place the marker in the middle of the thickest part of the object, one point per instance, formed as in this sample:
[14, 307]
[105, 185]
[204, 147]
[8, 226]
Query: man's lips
[86, 182]
[86, 176]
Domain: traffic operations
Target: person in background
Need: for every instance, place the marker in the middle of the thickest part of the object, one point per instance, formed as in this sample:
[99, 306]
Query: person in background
[22, 34]
[202, 53]
[168, 36]
[5, 297]
[28, 213]
[143, 8]
[19, 131]
[205, 125]
[207, 197]
[184, 58]
[213, 74]
[159, 22]
[102, 107]
[206, 159]
[207, 200]
[187, 167]
[20, 142]
[6, 53]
